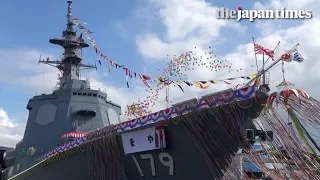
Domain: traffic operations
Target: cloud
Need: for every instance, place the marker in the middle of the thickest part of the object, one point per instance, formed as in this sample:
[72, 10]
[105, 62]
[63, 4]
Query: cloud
[21, 70]
[152, 40]
[11, 132]
[187, 23]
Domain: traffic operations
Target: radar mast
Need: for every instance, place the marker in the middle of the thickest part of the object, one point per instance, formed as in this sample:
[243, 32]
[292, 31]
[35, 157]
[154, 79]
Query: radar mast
[70, 65]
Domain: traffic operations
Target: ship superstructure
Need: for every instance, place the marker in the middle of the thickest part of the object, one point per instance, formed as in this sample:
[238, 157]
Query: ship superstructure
[74, 107]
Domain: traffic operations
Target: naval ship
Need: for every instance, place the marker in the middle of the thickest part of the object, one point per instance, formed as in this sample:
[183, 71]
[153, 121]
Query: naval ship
[69, 136]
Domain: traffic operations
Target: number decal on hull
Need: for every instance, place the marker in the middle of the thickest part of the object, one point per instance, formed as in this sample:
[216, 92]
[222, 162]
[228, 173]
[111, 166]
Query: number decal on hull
[150, 157]
[138, 165]
[169, 163]
[164, 158]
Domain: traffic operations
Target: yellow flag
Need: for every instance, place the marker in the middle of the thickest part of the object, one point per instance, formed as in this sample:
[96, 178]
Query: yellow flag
[179, 82]
[201, 85]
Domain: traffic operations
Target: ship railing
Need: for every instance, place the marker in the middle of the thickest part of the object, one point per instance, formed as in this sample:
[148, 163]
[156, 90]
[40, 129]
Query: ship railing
[97, 133]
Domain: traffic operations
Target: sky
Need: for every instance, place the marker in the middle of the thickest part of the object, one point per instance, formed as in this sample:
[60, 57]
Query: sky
[140, 34]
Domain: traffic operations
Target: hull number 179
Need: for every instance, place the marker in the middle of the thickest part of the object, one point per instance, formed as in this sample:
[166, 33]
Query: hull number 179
[164, 158]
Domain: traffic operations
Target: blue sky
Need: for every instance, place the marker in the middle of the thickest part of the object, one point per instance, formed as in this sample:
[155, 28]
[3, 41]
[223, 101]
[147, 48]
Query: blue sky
[27, 26]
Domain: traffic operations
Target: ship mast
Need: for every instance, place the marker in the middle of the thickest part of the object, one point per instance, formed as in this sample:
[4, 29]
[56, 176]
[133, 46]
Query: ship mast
[70, 65]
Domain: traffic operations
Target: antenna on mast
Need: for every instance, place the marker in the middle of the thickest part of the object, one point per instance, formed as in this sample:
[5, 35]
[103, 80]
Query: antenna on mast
[39, 59]
[70, 65]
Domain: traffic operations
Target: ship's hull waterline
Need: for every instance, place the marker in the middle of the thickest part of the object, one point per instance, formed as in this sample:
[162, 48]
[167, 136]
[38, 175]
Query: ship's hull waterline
[199, 145]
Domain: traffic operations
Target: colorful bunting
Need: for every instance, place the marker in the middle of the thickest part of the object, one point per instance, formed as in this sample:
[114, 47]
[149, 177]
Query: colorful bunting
[175, 73]
[177, 66]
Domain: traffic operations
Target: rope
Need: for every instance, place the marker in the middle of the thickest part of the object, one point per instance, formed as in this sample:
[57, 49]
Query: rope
[105, 159]
[216, 132]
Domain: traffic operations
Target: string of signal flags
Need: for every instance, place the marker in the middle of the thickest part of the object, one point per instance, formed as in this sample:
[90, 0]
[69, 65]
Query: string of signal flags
[142, 106]
[177, 65]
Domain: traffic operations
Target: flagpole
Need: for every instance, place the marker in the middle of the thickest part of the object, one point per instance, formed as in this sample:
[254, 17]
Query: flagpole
[264, 72]
[255, 54]
[269, 67]
[264, 62]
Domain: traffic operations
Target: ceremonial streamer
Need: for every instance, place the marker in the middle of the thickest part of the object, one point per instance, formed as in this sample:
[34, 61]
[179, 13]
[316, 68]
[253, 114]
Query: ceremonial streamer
[290, 148]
